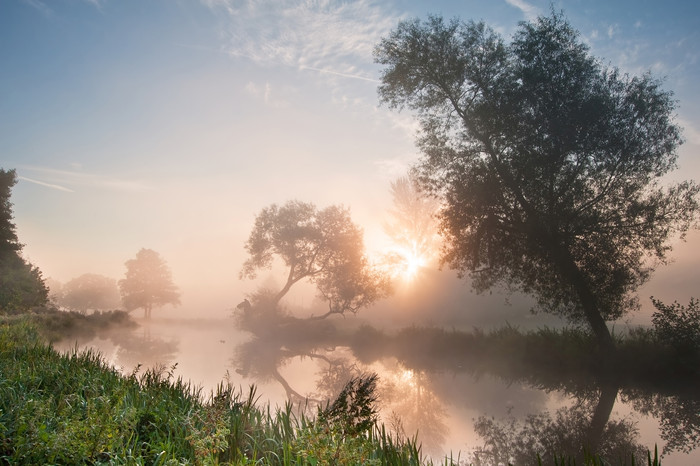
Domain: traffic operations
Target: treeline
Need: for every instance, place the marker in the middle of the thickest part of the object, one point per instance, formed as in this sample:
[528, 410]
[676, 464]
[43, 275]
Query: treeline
[21, 283]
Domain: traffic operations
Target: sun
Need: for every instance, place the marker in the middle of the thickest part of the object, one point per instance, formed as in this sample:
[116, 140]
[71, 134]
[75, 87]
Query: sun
[406, 263]
[413, 262]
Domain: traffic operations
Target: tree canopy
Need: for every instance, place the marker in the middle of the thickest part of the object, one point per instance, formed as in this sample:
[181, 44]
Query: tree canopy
[148, 283]
[90, 291]
[21, 283]
[549, 164]
[322, 246]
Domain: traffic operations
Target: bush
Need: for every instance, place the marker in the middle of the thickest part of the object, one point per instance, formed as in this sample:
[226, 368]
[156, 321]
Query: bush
[678, 325]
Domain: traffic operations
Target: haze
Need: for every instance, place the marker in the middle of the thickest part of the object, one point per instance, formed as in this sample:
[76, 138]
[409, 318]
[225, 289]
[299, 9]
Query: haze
[170, 125]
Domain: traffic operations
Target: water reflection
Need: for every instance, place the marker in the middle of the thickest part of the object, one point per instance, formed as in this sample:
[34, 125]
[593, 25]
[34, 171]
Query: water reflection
[415, 409]
[575, 431]
[417, 394]
[129, 348]
[678, 414]
[143, 348]
[444, 386]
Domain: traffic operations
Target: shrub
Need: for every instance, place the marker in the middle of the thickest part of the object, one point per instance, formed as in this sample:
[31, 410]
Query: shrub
[678, 325]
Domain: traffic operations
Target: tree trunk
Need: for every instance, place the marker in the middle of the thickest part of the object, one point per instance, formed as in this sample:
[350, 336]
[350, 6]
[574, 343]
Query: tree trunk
[291, 280]
[571, 273]
[283, 292]
[601, 416]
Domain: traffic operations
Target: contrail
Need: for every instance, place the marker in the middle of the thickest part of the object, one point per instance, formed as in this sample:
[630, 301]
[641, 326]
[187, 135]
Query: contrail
[354, 76]
[48, 185]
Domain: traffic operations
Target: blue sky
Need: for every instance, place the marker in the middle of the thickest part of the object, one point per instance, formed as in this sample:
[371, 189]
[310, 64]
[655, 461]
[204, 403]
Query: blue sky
[169, 124]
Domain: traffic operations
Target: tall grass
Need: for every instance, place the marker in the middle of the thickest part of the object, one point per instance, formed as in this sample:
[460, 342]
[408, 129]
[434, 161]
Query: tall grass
[75, 409]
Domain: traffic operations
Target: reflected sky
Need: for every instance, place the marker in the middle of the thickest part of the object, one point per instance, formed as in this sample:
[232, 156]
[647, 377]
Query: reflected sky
[456, 411]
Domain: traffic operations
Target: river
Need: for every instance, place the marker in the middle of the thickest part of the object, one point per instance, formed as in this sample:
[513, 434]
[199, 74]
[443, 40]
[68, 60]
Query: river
[473, 414]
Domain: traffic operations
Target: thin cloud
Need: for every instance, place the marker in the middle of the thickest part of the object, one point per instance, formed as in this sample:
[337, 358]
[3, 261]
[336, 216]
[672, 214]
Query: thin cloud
[96, 3]
[345, 75]
[40, 6]
[265, 93]
[530, 11]
[48, 185]
[58, 178]
[328, 37]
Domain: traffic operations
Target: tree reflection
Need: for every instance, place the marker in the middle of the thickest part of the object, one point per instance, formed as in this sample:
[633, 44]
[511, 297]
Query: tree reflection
[678, 414]
[142, 348]
[414, 400]
[260, 359]
[574, 432]
[416, 409]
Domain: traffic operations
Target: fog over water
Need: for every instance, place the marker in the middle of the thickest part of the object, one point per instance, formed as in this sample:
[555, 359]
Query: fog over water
[452, 403]
[174, 126]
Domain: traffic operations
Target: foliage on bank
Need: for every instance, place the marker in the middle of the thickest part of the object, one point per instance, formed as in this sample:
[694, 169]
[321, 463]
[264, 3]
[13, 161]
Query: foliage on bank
[71, 409]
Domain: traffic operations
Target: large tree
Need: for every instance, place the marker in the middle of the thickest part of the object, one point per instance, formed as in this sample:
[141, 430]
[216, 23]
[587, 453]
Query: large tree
[21, 283]
[323, 247]
[549, 163]
[148, 283]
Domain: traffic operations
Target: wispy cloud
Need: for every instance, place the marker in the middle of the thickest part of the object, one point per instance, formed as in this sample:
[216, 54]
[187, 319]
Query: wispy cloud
[59, 179]
[530, 11]
[48, 12]
[264, 92]
[345, 75]
[96, 3]
[332, 36]
[48, 185]
[40, 6]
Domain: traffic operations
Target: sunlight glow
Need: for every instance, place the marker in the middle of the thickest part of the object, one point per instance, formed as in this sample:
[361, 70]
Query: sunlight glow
[407, 377]
[413, 262]
[406, 263]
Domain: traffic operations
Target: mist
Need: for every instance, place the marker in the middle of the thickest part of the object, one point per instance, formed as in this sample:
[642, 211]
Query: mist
[316, 219]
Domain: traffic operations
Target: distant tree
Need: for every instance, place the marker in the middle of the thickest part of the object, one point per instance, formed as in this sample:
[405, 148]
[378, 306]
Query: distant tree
[412, 225]
[148, 283]
[322, 246]
[90, 291]
[549, 163]
[21, 283]
[55, 288]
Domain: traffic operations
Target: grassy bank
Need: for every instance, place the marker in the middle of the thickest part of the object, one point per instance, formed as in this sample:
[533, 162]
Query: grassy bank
[74, 409]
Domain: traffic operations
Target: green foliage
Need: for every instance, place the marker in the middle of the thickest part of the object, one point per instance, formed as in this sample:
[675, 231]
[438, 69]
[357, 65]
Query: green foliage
[8, 237]
[678, 325]
[74, 409]
[354, 410]
[53, 325]
[549, 164]
[21, 284]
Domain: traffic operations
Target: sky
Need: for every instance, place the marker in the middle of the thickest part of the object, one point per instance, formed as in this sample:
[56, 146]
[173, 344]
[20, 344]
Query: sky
[169, 124]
